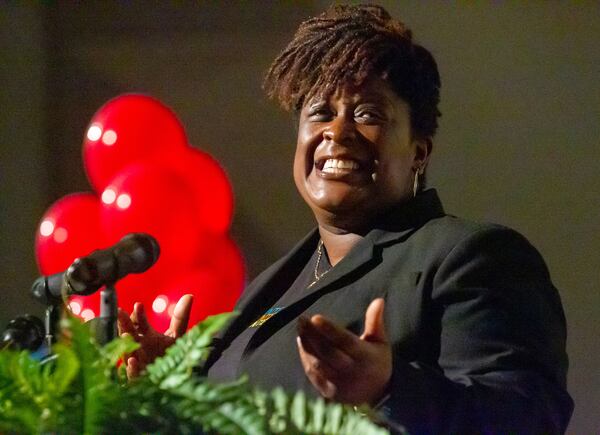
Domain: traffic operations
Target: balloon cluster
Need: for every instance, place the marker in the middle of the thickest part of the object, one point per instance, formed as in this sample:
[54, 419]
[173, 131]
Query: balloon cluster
[148, 179]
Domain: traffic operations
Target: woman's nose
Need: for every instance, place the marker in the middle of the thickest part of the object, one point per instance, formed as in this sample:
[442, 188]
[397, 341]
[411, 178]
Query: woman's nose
[339, 130]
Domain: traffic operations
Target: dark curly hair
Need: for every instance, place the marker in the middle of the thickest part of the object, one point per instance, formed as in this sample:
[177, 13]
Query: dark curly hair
[348, 44]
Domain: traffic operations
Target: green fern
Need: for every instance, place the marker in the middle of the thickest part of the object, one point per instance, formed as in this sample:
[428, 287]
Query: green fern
[79, 391]
[100, 395]
[73, 391]
[236, 407]
[188, 351]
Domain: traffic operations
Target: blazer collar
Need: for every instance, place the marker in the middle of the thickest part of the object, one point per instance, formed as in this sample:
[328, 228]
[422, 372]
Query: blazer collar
[396, 224]
[406, 217]
[392, 226]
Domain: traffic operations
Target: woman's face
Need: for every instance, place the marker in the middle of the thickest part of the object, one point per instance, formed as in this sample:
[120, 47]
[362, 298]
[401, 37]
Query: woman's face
[355, 154]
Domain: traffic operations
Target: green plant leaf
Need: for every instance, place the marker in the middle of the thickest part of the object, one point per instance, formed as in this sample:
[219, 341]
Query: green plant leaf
[189, 351]
[298, 411]
[78, 391]
[17, 410]
[59, 376]
[115, 349]
[96, 385]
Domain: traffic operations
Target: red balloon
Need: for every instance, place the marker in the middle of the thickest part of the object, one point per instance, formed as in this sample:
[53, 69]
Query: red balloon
[128, 129]
[145, 286]
[228, 263]
[150, 199]
[70, 228]
[149, 180]
[211, 293]
[216, 285]
[86, 307]
[212, 190]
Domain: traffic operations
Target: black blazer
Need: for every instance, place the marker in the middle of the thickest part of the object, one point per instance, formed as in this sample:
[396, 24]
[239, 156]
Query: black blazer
[476, 326]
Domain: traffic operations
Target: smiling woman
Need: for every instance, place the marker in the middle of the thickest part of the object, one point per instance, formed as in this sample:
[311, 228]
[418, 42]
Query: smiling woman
[444, 325]
[356, 150]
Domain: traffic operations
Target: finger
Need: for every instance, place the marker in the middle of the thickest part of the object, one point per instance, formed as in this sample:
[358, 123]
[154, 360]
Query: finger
[321, 347]
[124, 323]
[126, 356]
[316, 371]
[340, 337]
[132, 367]
[139, 319]
[180, 317]
[374, 323]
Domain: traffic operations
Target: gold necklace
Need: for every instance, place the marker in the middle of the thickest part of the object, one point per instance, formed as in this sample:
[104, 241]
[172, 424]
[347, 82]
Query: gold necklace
[316, 271]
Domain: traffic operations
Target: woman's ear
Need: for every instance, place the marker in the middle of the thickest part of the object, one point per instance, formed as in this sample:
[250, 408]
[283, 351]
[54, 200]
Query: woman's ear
[422, 153]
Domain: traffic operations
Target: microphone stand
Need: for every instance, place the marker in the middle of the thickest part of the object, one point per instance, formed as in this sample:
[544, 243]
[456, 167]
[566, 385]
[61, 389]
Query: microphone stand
[103, 327]
[106, 328]
[51, 320]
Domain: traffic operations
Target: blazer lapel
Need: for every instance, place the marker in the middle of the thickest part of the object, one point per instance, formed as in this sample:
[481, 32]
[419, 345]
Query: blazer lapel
[264, 291]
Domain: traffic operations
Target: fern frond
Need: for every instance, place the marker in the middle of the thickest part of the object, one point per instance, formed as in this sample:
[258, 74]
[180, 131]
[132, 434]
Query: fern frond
[177, 364]
[31, 392]
[17, 412]
[96, 386]
[114, 350]
[296, 414]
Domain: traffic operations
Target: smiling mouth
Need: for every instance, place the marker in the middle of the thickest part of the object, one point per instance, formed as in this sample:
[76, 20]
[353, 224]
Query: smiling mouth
[345, 169]
[337, 166]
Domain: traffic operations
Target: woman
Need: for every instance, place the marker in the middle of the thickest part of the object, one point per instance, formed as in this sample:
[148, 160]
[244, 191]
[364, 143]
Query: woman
[445, 325]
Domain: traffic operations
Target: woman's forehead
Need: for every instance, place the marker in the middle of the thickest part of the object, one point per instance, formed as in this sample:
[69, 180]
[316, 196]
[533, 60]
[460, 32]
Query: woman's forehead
[374, 89]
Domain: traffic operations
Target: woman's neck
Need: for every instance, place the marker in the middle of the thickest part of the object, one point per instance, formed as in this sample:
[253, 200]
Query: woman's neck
[337, 242]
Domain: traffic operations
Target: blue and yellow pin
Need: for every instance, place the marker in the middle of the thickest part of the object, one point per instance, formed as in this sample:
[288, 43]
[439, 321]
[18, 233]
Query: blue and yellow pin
[270, 313]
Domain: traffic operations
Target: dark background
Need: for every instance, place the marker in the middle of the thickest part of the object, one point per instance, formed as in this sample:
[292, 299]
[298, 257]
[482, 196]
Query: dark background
[519, 141]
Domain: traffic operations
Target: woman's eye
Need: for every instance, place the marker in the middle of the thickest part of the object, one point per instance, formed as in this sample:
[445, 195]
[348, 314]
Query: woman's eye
[368, 115]
[319, 112]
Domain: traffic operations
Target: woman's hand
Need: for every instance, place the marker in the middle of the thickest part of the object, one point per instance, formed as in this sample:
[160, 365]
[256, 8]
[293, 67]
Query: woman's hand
[342, 366]
[153, 344]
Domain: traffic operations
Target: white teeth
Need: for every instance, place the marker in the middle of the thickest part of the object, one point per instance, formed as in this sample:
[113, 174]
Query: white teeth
[333, 165]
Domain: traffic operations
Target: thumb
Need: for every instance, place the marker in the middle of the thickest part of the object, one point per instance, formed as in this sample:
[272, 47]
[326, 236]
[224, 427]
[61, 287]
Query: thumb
[374, 324]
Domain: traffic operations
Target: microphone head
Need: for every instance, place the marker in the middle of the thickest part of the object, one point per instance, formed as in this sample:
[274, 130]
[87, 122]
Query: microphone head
[24, 332]
[135, 253]
[87, 274]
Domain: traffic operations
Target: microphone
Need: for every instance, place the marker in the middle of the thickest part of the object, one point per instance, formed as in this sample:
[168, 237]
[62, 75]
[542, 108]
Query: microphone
[23, 332]
[134, 253]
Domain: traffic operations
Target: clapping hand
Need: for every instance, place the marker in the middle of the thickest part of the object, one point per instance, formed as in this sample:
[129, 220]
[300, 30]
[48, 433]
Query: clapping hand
[152, 343]
[343, 366]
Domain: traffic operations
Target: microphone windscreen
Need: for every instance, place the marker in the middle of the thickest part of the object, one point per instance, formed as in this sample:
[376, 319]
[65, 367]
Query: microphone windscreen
[24, 332]
[88, 274]
[135, 253]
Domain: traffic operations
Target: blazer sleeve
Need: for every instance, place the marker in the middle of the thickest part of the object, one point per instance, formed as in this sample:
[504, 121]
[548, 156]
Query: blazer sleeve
[502, 362]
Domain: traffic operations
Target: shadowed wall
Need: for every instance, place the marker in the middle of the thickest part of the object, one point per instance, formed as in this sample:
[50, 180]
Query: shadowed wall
[519, 140]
